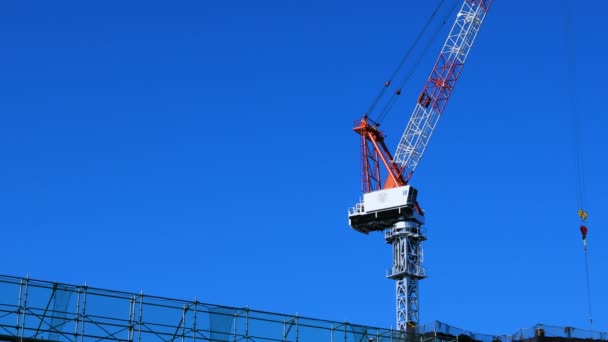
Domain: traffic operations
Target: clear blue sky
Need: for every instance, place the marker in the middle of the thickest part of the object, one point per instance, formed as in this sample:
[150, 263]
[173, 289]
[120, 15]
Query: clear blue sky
[204, 149]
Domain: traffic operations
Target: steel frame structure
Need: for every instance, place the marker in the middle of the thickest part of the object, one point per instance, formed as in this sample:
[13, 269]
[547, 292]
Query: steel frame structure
[34, 310]
[373, 154]
[406, 237]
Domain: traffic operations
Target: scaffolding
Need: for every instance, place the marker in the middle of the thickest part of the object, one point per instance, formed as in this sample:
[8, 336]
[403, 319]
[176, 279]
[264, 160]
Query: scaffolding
[36, 310]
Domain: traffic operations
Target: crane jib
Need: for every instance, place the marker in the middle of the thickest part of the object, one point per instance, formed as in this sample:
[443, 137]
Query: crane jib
[439, 86]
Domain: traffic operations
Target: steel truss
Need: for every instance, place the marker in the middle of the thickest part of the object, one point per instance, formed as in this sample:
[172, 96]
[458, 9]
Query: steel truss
[406, 237]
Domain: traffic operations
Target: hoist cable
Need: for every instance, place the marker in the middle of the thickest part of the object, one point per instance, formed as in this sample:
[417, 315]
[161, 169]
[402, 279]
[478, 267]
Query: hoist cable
[588, 288]
[411, 71]
[571, 72]
[576, 119]
[405, 58]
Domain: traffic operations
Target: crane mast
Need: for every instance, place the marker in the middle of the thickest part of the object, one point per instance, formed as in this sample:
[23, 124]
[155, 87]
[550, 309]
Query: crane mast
[391, 205]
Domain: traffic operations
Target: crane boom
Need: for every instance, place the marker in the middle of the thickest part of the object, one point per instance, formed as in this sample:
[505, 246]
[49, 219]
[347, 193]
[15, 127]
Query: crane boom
[439, 86]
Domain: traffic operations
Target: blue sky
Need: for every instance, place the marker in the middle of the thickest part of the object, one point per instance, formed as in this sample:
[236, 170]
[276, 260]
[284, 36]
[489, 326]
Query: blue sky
[204, 149]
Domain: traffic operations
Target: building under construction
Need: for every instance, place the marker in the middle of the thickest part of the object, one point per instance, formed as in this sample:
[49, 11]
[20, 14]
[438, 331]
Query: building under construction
[38, 310]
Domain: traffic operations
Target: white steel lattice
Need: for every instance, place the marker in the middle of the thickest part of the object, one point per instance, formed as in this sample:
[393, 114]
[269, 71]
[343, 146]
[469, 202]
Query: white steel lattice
[406, 238]
[440, 84]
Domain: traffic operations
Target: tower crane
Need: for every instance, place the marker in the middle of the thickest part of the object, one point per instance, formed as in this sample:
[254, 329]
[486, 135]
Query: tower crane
[390, 204]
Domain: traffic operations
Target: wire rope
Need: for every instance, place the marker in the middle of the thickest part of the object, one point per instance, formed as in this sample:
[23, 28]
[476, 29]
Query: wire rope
[393, 99]
[576, 120]
[404, 59]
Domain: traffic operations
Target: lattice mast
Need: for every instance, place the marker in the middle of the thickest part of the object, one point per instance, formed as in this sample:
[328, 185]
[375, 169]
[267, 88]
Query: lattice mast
[391, 205]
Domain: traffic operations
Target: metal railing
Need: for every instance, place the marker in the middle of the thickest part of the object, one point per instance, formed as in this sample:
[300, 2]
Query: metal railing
[357, 209]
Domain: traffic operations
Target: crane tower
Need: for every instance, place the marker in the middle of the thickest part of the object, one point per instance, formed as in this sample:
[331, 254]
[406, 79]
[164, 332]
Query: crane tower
[391, 205]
